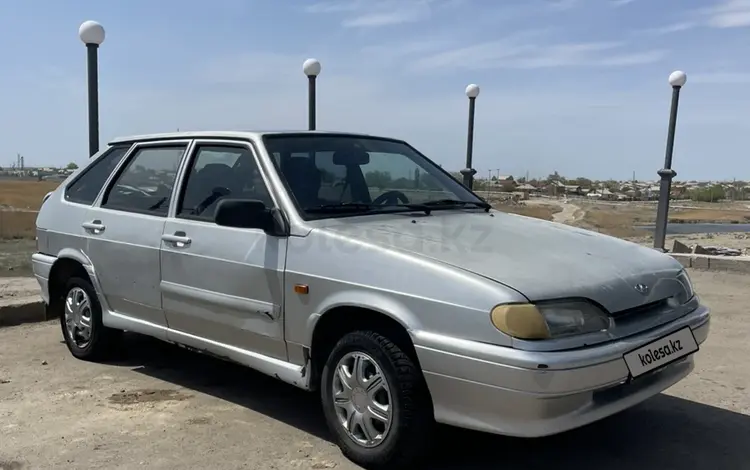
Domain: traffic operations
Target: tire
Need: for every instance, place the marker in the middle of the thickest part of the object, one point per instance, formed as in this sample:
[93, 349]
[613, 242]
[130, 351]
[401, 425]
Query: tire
[402, 441]
[102, 341]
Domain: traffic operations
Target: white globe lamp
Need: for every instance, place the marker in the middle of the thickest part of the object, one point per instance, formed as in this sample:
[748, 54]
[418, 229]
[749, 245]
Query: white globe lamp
[677, 78]
[472, 91]
[311, 67]
[91, 32]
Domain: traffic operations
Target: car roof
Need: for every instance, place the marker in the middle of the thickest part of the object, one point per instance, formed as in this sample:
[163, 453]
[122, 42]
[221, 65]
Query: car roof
[245, 135]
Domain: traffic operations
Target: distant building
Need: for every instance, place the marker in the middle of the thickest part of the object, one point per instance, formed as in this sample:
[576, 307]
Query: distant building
[573, 190]
[504, 183]
[527, 188]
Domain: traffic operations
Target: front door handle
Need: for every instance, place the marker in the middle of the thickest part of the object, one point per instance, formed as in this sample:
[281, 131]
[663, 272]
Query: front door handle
[95, 226]
[178, 239]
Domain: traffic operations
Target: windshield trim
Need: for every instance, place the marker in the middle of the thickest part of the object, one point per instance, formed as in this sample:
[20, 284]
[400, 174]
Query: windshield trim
[308, 217]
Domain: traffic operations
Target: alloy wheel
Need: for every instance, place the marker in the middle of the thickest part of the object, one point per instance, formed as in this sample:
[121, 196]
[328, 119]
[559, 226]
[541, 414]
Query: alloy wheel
[362, 399]
[78, 317]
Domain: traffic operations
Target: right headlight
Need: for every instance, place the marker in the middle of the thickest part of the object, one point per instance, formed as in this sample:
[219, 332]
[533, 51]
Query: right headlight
[687, 286]
[549, 320]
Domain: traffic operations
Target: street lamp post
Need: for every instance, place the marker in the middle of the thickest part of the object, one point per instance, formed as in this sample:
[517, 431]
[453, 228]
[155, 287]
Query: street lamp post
[677, 80]
[472, 91]
[92, 34]
[311, 67]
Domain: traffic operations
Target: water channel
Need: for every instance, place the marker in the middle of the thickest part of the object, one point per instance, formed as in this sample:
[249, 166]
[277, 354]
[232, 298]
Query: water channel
[687, 229]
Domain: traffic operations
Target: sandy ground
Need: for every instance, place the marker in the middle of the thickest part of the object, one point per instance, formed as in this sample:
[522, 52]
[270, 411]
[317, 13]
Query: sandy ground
[15, 259]
[740, 241]
[165, 408]
[18, 289]
[569, 214]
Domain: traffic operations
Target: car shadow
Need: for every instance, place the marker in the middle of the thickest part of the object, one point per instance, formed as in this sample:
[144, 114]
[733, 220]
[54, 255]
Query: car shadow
[662, 433]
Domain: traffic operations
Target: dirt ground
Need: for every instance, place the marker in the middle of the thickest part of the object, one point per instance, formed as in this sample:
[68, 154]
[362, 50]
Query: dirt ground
[164, 408]
[540, 211]
[620, 220]
[19, 201]
[740, 241]
[24, 193]
[15, 258]
[18, 289]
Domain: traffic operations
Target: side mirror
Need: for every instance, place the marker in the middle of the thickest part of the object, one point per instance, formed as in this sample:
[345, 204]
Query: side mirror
[248, 213]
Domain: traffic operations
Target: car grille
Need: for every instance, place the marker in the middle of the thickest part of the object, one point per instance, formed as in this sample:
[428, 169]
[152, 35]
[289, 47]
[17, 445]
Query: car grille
[639, 311]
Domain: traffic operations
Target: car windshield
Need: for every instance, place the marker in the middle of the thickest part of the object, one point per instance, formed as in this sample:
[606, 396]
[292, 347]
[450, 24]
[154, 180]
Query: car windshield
[336, 175]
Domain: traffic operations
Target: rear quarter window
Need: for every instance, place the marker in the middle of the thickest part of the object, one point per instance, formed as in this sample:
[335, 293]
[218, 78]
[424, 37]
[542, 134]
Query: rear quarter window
[86, 186]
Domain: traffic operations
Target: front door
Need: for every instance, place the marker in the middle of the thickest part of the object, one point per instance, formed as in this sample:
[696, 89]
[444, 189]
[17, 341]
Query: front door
[124, 230]
[222, 284]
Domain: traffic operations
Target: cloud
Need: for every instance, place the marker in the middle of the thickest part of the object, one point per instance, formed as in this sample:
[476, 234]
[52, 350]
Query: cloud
[562, 5]
[244, 68]
[620, 3]
[515, 52]
[380, 13]
[640, 58]
[729, 14]
[377, 19]
[668, 29]
[335, 6]
[392, 51]
[721, 78]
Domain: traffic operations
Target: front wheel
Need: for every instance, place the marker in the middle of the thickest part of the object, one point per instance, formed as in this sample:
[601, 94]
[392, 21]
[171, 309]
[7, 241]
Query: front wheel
[376, 402]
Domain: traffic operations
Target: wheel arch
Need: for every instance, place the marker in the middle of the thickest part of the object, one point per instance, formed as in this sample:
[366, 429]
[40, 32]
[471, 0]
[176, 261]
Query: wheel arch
[69, 263]
[339, 319]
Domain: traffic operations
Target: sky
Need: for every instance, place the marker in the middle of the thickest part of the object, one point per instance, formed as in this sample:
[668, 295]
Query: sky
[574, 86]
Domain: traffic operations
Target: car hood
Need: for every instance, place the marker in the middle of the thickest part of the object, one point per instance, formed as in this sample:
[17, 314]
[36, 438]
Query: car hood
[542, 260]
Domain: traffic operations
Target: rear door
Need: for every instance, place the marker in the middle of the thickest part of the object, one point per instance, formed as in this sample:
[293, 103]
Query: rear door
[222, 284]
[125, 226]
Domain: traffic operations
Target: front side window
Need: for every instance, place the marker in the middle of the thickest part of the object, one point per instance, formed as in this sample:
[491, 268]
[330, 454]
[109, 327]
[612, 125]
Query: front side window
[145, 184]
[86, 187]
[330, 174]
[218, 172]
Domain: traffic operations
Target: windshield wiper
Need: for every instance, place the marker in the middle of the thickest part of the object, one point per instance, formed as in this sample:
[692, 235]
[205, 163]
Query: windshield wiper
[343, 207]
[458, 203]
[363, 207]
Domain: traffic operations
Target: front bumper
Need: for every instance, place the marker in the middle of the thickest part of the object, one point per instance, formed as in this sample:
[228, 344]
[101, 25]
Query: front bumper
[42, 266]
[532, 394]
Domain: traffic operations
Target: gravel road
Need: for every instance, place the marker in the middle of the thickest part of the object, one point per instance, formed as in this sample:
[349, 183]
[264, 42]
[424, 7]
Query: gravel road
[165, 408]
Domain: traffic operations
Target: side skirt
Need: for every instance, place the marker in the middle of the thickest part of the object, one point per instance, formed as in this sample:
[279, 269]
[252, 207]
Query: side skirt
[299, 376]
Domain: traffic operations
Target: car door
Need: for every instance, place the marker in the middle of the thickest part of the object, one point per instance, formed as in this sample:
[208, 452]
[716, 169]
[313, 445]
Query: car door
[125, 227]
[222, 284]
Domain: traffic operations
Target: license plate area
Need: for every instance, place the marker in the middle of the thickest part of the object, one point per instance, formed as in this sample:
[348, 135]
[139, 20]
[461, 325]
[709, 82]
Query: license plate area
[661, 352]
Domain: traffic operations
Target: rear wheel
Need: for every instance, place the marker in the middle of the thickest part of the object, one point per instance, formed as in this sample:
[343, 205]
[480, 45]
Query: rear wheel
[81, 321]
[375, 401]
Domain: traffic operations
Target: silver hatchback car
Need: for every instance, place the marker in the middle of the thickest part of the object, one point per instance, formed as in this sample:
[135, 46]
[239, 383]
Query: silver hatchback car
[354, 266]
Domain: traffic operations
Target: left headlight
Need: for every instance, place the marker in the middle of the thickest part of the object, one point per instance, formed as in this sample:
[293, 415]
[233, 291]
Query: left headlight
[549, 320]
[687, 285]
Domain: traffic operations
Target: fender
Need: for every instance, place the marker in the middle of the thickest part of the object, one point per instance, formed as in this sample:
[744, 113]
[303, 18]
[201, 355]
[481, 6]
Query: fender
[76, 255]
[367, 299]
[81, 257]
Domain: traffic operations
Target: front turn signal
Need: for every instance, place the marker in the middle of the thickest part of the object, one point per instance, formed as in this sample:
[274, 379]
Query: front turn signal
[522, 321]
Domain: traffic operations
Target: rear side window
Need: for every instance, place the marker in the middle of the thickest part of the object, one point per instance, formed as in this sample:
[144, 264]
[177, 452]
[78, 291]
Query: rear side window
[85, 188]
[145, 184]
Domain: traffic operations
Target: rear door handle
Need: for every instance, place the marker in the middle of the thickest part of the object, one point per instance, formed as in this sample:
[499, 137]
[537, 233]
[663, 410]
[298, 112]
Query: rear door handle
[178, 239]
[95, 226]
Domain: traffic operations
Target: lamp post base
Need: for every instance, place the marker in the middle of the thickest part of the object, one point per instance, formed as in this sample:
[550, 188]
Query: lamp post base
[662, 212]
